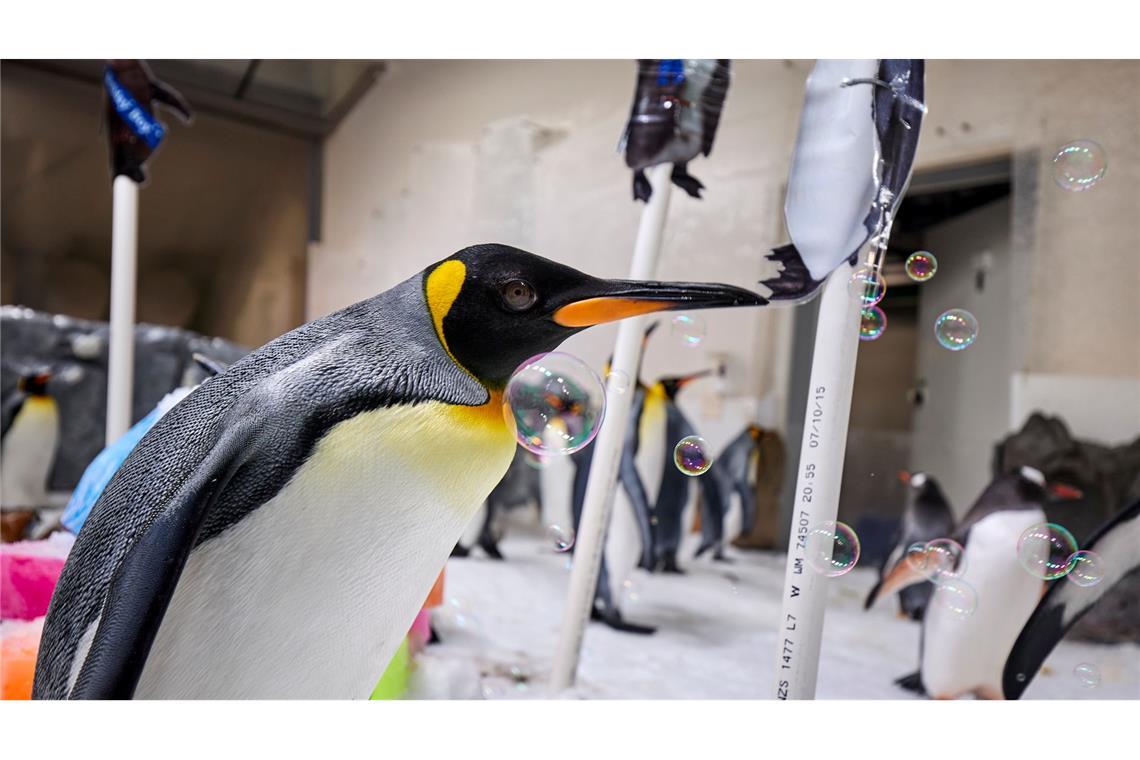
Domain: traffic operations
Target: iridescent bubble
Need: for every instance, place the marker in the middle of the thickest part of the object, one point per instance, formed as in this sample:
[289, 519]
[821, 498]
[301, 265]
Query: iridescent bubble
[1088, 675]
[956, 597]
[1045, 551]
[688, 329]
[1079, 165]
[867, 285]
[956, 329]
[557, 403]
[692, 455]
[832, 548]
[916, 557]
[618, 380]
[562, 538]
[1087, 568]
[921, 266]
[872, 323]
[945, 558]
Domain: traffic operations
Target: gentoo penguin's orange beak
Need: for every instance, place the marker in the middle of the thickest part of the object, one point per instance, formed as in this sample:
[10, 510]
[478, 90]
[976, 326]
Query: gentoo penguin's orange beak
[618, 299]
[900, 576]
[904, 477]
[1067, 492]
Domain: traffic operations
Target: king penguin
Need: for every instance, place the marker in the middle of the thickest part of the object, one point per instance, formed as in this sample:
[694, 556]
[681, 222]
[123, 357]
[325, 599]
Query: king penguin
[735, 474]
[27, 449]
[209, 567]
[967, 655]
[926, 516]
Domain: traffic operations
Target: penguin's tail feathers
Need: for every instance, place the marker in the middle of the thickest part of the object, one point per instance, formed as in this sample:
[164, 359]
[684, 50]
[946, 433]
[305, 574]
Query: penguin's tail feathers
[872, 595]
[793, 283]
[911, 682]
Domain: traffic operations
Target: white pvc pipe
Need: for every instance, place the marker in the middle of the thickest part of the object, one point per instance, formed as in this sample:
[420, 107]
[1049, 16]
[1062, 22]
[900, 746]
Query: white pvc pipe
[822, 449]
[124, 264]
[607, 446]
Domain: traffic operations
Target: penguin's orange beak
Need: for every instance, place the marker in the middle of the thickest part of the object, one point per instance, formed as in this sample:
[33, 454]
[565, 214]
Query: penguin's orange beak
[904, 477]
[619, 299]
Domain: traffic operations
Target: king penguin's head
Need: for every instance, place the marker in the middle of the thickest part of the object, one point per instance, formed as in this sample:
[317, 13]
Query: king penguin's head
[494, 306]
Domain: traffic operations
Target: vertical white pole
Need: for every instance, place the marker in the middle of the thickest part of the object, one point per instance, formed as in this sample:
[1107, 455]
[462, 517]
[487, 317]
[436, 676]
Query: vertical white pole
[607, 446]
[817, 485]
[124, 263]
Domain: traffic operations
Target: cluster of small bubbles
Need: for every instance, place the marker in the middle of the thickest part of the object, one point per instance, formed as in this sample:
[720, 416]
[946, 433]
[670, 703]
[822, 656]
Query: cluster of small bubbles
[867, 285]
[631, 591]
[618, 380]
[872, 323]
[688, 329]
[921, 266]
[832, 548]
[1046, 550]
[936, 560]
[1088, 675]
[1079, 165]
[956, 597]
[956, 329]
[557, 403]
[562, 538]
[1086, 568]
[692, 455]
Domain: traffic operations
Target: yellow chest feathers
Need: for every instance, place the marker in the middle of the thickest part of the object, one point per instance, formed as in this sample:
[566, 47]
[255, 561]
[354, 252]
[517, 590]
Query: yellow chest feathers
[457, 452]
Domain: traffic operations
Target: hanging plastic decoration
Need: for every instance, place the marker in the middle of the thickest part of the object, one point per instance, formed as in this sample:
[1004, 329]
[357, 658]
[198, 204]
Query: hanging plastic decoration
[676, 110]
[851, 165]
[132, 128]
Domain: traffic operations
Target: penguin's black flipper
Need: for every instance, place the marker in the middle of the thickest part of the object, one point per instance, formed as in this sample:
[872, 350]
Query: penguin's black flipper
[460, 552]
[163, 93]
[639, 499]
[1118, 544]
[212, 367]
[144, 581]
[687, 182]
[793, 283]
[642, 189]
[912, 682]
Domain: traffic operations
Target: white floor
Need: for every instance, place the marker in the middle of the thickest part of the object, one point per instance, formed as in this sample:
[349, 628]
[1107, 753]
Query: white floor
[715, 640]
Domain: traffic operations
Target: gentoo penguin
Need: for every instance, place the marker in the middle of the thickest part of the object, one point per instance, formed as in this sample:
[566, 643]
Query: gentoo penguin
[735, 474]
[210, 566]
[966, 655]
[629, 537]
[28, 446]
[1118, 544]
[132, 129]
[926, 516]
[674, 492]
[520, 487]
[676, 110]
[850, 168]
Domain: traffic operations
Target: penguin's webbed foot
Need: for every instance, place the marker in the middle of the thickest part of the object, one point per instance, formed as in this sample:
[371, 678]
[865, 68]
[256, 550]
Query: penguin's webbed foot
[613, 619]
[491, 549]
[687, 182]
[793, 283]
[669, 565]
[720, 556]
[911, 682]
[433, 638]
[704, 547]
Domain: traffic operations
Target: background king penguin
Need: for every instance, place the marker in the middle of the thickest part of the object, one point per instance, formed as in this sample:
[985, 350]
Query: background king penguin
[276, 532]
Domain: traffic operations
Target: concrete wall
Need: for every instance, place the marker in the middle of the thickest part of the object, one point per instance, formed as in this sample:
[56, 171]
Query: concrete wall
[443, 154]
[222, 230]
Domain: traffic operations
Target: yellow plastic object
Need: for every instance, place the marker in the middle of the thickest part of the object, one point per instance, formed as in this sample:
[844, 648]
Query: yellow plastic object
[394, 683]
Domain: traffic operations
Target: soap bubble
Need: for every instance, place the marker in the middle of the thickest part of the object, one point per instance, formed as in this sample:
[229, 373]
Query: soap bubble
[867, 285]
[916, 557]
[1087, 568]
[956, 597]
[618, 380]
[832, 548]
[692, 455]
[956, 329]
[688, 329]
[1045, 551]
[945, 558]
[558, 403]
[562, 538]
[921, 266]
[1079, 165]
[1088, 675]
[872, 323]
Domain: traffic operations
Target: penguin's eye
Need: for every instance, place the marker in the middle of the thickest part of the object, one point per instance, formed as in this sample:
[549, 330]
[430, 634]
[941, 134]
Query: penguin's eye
[518, 295]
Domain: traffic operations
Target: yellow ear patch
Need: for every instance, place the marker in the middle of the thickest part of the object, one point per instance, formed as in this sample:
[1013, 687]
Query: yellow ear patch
[441, 289]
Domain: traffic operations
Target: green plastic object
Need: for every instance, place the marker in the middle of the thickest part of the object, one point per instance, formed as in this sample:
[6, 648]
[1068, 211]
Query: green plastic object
[394, 683]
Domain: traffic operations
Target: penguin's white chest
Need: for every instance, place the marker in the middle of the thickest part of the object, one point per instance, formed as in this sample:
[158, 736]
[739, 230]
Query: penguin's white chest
[961, 655]
[27, 455]
[310, 594]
